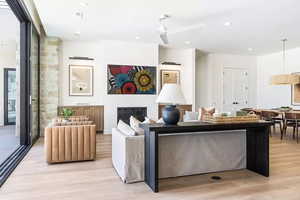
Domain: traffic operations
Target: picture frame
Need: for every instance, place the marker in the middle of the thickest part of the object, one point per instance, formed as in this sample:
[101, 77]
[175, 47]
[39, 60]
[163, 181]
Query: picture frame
[131, 80]
[295, 93]
[81, 80]
[169, 76]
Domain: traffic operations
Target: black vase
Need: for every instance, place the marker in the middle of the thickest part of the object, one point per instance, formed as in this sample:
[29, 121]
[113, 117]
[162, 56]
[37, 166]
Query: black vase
[170, 115]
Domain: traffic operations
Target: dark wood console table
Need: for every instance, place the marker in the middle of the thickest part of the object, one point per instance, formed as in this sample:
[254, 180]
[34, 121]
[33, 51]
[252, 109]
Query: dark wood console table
[94, 112]
[257, 136]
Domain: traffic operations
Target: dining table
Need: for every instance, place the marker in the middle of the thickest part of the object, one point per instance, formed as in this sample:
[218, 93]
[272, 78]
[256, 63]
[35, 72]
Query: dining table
[283, 118]
[280, 111]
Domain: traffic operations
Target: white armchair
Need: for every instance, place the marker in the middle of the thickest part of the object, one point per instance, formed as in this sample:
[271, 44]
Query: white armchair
[128, 156]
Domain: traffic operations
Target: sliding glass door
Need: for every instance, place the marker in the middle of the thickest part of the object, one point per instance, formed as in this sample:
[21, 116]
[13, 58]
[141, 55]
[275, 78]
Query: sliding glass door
[19, 88]
[10, 84]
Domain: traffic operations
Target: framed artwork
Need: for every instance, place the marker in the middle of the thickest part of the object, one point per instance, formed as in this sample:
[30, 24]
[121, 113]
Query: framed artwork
[130, 79]
[169, 76]
[81, 80]
[296, 93]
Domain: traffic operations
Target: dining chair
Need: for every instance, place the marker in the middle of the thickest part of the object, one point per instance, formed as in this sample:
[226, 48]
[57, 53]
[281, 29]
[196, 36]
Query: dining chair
[297, 116]
[279, 119]
[290, 120]
[274, 117]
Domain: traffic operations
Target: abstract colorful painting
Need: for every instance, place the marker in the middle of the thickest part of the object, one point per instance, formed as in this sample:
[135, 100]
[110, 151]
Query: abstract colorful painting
[129, 79]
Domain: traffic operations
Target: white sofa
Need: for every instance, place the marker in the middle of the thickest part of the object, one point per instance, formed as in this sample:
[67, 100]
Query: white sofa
[180, 155]
[128, 156]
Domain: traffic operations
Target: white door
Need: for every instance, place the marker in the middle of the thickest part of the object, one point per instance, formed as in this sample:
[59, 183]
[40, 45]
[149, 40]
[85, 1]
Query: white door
[235, 89]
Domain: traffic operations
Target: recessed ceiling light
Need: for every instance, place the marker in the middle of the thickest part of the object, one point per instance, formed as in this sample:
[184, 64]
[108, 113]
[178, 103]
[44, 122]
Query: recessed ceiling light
[187, 42]
[137, 37]
[227, 24]
[250, 49]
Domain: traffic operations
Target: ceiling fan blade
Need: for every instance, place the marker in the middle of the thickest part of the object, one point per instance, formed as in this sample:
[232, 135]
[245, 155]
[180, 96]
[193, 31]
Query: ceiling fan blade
[164, 37]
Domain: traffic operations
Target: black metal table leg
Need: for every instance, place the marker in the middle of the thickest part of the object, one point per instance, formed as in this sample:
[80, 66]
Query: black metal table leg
[151, 160]
[258, 150]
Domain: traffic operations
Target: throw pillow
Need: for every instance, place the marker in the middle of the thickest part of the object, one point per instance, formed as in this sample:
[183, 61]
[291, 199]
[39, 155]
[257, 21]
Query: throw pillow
[206, 111]
[135, 125]
[125, 128]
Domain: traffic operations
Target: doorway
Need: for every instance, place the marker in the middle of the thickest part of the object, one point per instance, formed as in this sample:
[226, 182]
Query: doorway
[235, 89]
[10, 96]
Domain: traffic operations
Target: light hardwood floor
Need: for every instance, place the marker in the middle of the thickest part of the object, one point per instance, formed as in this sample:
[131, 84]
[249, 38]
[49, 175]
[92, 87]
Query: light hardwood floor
[36, 180]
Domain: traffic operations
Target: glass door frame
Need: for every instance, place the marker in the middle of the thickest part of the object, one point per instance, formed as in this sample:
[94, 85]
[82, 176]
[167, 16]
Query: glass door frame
[6, 121]
[34, 30]
[26, 27]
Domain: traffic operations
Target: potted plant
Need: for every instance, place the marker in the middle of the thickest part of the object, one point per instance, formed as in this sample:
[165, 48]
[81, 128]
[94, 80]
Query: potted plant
[67, 113]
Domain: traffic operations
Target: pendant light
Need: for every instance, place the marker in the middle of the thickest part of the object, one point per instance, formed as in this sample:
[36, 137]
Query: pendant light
[285, 79]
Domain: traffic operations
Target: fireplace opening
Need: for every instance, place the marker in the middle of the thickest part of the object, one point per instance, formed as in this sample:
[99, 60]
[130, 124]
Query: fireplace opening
[124, 113]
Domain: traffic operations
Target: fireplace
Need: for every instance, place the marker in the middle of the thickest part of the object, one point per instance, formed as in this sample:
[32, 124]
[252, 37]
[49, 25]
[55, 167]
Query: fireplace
[124, 113]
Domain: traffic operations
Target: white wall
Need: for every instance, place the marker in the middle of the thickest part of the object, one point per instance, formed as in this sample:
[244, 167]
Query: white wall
[83, 49]
[104, 53]
[202, 72]
[210, 92]
[7, 60]
[270, 96]
[130, 54]
[185, 57]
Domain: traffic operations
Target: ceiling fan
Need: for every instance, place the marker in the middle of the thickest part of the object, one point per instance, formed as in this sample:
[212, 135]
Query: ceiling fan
[163, 31]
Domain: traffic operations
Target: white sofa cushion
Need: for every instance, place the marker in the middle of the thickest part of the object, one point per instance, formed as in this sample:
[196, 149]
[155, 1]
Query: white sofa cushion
[126, 129]
[135, 125]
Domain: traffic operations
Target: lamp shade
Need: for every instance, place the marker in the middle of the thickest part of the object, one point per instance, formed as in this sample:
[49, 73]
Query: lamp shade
[171, 94]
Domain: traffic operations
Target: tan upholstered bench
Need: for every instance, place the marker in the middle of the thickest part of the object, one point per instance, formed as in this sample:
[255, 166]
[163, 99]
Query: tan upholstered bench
[70, 123]
[72, 118]
[70, 143]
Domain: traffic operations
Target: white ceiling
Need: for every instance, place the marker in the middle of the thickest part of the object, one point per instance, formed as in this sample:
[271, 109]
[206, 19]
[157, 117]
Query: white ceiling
[256, 24]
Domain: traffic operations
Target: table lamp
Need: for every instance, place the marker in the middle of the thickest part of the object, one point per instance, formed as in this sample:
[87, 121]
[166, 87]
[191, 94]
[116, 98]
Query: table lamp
[171, 95]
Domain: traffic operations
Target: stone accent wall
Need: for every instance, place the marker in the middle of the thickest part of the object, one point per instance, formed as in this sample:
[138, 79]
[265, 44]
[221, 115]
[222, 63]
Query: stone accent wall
[49, 80]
